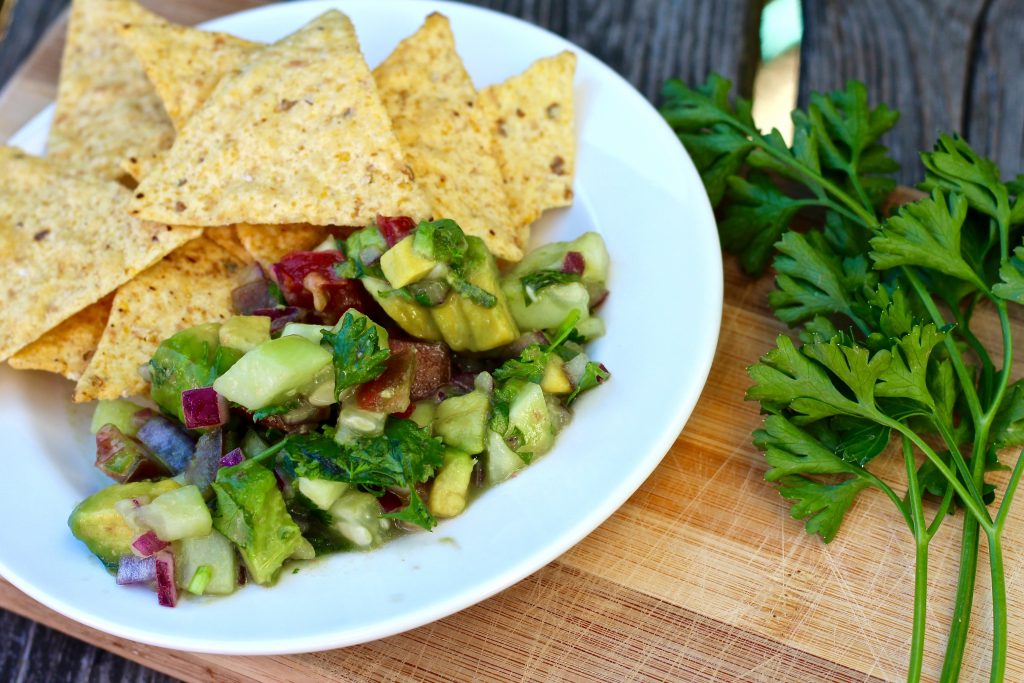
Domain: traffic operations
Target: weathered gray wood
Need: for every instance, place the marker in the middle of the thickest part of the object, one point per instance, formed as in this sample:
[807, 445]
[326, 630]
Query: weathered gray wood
[647, 41]
[30, 19]
[947, 65]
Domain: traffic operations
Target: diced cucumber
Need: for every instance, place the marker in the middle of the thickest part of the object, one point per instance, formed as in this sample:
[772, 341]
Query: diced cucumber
[403, 265]
[304, 551]
[551, 257]
[449, 493]
[357, 517]
[253, 444]
[321, 492]
[272, 372]
[423, 413]
[591, 327]
[313, 333]
[555, 380]
[213, 550]
[177, 514]
[117, 412]
[354, 422]
[501, 461]
[461, 421]
[245, 332]
[552, 306]
[529, 414]
[98, 522]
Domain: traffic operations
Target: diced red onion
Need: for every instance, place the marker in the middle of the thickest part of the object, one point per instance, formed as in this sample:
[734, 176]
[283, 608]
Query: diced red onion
[515, 348]
[464, 380]
[391, 501]
[574, 263]
[252, 296]
[131, 569]
[202, 469]
[148, 544]
[203, 407]
[232, 458]
[484, 382]
[370, 255]
[599, 299]
[166, 590]
[168, 442]
[395, 228]
[252, 273]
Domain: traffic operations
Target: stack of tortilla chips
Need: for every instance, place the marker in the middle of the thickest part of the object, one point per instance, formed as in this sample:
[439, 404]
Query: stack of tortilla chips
[238, 151]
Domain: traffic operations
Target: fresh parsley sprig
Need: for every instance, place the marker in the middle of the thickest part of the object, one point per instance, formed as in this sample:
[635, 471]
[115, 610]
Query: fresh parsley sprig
[883, 306]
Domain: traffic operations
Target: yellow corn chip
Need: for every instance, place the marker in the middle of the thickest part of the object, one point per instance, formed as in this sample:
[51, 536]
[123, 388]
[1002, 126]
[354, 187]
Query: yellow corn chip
[531, 117]
[270, 243]
[66, 242]
[190, 286]
[106, 109]
[446, 140]
[227, 239]
[184, 63]
[297, 136]
[67, 348]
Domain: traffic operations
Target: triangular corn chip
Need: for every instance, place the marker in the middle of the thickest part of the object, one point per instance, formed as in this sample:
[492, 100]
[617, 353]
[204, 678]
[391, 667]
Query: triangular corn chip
[184, 64]
[228, 240]
[297, 136]
[431, 101]
[270, 243]
[107, 110]
[531, 117]
[66, 243]
[190, 286]
[67, 348]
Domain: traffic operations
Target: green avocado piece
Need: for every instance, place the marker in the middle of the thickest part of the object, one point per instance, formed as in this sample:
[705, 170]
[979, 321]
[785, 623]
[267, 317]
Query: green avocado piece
[403, 265]
[410, 316]
[117, 412]
[251, 512]
[461, 421]
[190, 359]
[468, 326]
[97, 523]
[449, 493]
[245, 332]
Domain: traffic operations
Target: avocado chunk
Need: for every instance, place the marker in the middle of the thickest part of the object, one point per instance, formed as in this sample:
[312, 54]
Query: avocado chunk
[410, 316]
[555, 380]
[461, 421]
[403, 265]
[469, 326]
[97, 523]
[450, 492]
[272, 372]
[117, 412]
[251, 512]
[245, 332]
[190, 359]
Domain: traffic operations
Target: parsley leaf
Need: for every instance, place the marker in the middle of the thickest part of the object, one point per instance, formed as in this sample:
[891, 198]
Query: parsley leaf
[954, 167]
[359, 353]
[1011, 275]
[402, 457]
[593, 374]
[528, 366]
[759, 214]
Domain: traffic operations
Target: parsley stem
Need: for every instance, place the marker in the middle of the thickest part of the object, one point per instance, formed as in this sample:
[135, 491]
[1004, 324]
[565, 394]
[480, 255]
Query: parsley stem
[921, 539]
[940, 514]
[995, 556]
[273, 450]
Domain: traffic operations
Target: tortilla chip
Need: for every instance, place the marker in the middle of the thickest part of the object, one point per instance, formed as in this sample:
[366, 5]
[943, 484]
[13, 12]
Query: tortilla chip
[446, 140]
[531, 117]
[65, 243]
[67, 348]
[270, 243]
[189, 287]
[107, 110]
[184, 64]
[297, 136]
[228, 240]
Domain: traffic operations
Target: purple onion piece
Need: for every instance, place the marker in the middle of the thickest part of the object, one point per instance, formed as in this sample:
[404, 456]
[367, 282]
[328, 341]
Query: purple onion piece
[202, 469]
[574, 368]
[131, 569]
[253, 296]
[148, 544]
[232, 458]
[166, 590]
[203, 407]
[464, 380]
[574, 263]
[168, 442]
[515, 348]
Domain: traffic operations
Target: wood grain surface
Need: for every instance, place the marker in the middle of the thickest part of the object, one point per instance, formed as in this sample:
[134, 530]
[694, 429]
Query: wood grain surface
[947, 65]
[701, 575]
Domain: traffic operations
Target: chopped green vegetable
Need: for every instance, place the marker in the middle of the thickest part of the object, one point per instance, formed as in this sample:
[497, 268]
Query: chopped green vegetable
[200, 580]
[359, 352]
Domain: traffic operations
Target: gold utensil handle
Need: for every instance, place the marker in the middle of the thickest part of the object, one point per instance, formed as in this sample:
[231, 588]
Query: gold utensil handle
[6, 12]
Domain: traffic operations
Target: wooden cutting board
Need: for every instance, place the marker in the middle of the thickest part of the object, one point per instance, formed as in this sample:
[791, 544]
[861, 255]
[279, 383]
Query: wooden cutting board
[700, 576]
